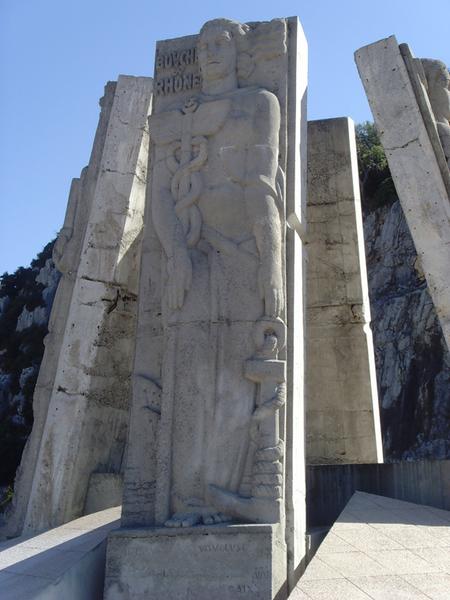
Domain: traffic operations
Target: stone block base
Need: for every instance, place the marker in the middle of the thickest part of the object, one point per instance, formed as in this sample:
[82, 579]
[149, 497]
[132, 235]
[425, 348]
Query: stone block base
[217, 562]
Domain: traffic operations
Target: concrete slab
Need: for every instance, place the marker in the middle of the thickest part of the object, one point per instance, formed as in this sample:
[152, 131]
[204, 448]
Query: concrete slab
[381, 548]
[66, 562]
[408, 130]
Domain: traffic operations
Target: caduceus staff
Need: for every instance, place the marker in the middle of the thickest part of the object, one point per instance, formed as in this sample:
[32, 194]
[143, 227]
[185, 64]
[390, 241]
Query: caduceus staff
[184, 133]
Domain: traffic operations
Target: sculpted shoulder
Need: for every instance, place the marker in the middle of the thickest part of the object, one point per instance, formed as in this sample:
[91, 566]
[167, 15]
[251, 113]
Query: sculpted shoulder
[266, 116]
[264, 99]
[267, 100]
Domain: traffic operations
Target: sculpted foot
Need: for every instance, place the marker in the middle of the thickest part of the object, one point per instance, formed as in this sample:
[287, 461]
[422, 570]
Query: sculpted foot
[254, 510]
[183, 520]
[214, 518]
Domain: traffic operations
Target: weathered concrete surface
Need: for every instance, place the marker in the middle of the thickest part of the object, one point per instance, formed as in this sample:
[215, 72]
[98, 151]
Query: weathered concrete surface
[66, 255]
[223, 562]
[381, 548]
[342, 414]
[210, 384]
[103, 487]
[296, 194]
[85, 426]
[64, 563]
[330, 487]
[419, 174]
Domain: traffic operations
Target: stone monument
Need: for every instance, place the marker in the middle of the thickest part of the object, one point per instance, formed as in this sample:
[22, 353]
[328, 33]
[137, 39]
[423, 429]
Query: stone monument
[342, 414]
[213, 500]
[80, 403]
[410, 102]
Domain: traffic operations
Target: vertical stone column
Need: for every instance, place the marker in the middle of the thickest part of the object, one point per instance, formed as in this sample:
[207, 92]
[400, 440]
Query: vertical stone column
[296, 195]
[342, 413]
[216, 439]
[413, 138]
[66, 255]
[86, 422]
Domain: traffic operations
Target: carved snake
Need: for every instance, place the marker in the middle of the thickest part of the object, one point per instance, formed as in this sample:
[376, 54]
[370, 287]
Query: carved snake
[185, 207]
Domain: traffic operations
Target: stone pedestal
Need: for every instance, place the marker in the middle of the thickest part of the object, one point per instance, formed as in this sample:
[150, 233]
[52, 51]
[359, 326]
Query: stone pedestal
[201, 563]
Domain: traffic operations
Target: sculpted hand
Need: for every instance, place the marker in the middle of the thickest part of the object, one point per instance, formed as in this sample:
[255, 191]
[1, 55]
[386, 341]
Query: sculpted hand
[179, 267]
[272, 294]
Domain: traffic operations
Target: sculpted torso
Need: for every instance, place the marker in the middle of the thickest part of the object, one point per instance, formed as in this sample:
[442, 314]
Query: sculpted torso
[222, 201]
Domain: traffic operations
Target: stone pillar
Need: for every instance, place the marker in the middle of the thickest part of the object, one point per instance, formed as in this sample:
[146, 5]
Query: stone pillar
[411, 112]
[215, 477]
[82, 429]
[66, 256]
[342, 413]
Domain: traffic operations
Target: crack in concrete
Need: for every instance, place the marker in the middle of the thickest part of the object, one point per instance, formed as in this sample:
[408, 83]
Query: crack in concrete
[126, 173]
[405, 145]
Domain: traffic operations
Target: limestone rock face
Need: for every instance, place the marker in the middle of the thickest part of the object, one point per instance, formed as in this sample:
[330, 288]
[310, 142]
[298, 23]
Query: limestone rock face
[413, 363]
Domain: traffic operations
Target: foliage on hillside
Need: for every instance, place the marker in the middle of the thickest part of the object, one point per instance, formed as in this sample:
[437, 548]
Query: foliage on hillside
[376, 181]
[20, 356]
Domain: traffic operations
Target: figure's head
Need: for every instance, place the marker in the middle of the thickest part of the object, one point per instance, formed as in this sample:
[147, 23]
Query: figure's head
[218, 48]
[436, 72]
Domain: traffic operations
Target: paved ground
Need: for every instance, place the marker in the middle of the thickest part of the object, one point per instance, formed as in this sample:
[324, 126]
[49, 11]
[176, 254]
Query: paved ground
[381, 549]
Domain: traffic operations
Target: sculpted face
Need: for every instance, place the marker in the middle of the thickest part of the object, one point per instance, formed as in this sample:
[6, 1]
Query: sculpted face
[217, 53]
[444, 77]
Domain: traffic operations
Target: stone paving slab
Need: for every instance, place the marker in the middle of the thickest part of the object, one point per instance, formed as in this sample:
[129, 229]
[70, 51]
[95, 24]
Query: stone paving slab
[65, 562]
[378, 549]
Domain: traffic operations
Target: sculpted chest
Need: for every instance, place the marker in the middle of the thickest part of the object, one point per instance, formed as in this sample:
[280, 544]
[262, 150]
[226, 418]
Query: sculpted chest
[206, 148]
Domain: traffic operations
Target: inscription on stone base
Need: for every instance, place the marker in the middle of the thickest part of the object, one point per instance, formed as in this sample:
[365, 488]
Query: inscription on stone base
[196, 564]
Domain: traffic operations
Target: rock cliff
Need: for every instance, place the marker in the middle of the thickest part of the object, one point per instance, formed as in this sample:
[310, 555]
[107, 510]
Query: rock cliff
[413, 362]
[26, 298]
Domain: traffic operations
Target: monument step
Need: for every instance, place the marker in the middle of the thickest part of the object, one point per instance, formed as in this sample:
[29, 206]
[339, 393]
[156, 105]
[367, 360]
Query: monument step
[66, 562]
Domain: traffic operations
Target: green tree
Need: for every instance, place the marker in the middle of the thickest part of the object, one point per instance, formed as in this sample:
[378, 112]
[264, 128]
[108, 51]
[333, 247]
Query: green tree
[377, 186]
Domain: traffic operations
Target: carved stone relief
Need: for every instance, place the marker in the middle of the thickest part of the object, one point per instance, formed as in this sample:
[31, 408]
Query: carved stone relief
[217, 203]
[437, 81]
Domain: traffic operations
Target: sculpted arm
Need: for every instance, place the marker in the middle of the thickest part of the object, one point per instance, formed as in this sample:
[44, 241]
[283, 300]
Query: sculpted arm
[261, 170]
[171, 235]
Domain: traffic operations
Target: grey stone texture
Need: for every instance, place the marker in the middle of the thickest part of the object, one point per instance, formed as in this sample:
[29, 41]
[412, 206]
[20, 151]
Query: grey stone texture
[82, 395]
[103, 488]
[381, 548]
[436, 80]
[200, 563]
[342, 414]
[67, 562]
[66, 255]
[216, 371]
[330, 487]
[409, 132]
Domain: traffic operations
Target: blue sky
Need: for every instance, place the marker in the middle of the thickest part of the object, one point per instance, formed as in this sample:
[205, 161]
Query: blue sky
[56, 56]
